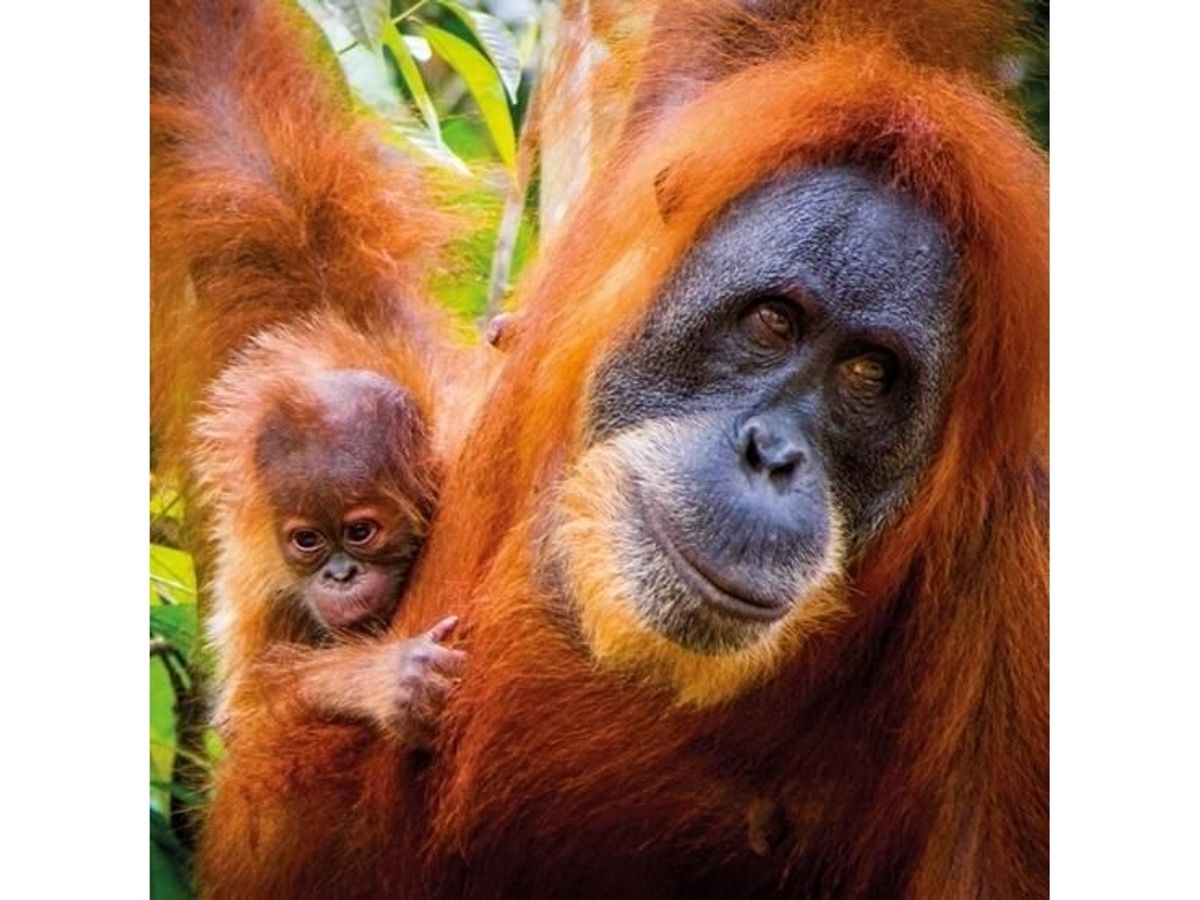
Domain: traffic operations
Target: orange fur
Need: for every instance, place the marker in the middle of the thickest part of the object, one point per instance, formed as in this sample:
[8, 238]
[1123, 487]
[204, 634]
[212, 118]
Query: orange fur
[899, 751]
[268, 200]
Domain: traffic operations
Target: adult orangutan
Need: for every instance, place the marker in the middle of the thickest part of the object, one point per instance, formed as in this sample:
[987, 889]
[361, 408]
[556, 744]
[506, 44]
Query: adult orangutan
[749, 539]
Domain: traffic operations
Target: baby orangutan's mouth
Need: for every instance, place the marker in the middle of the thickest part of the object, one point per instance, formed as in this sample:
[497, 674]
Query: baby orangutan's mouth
[368, 599]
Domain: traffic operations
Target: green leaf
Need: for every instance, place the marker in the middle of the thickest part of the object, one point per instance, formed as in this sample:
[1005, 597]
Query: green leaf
[172, 576]
[168, 869]
[366, 71]
[166, 503]
[185, 796]
[497, 40]
[395, 43]
[529, 42]
[162, 730]
[176, 623]
[213, 745]
[364, 18]
[162, 833]
[483, 81]
[422, 140]
[370, 77]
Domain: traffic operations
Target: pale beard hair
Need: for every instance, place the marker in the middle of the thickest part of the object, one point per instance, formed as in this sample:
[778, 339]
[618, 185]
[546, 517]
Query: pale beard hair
[635, 613]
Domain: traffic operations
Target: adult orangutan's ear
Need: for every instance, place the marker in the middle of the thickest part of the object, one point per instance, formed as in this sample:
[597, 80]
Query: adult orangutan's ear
[668, 193]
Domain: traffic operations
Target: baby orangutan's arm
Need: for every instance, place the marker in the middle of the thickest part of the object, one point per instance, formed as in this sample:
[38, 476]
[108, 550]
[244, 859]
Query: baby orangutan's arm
[400, 686]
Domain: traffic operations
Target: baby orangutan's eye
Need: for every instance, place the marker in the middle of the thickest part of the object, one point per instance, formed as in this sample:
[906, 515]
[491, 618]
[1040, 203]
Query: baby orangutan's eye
[360, 532]
[307, 540]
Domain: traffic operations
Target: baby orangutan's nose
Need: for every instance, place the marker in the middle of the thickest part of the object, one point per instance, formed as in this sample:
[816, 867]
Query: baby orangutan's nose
[341, 569]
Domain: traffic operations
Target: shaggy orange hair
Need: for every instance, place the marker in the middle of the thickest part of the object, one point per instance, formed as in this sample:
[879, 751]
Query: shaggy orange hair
[269, 200]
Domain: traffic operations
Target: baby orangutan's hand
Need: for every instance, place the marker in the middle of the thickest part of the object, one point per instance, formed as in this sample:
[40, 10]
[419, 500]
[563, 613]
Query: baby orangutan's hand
[425, 673]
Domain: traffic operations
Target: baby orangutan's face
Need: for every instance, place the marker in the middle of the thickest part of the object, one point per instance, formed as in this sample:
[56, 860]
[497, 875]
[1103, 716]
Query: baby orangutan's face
[347, 468]
[350, 566]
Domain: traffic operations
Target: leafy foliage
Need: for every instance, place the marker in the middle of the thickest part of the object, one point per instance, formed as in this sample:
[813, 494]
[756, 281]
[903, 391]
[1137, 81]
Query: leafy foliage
[485, 85]
[176, 666]
[390, 56]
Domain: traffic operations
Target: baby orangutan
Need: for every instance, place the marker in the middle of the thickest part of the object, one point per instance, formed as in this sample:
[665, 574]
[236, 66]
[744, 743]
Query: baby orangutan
[323, 479]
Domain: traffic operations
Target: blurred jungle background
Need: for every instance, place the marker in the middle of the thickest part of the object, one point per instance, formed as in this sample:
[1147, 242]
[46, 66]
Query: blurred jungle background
[455, 83]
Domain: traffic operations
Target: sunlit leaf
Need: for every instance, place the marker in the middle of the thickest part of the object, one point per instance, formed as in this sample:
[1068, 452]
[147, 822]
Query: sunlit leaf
[364, 18]
[213, 745]
[172, 575]
[371, 80]
[497, 40]
[366, 71]
[418, 47]
[420, 139]
[330, 20]
[529, 42]
[166, 503]
[396, 45]
[484, 83]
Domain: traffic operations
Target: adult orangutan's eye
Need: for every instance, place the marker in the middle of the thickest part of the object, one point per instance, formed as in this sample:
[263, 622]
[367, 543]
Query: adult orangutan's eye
[868, 374]
[773, 324]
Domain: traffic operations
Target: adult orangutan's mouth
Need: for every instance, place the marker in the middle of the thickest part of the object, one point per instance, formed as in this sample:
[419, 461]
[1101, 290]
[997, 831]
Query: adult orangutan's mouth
[717, 591]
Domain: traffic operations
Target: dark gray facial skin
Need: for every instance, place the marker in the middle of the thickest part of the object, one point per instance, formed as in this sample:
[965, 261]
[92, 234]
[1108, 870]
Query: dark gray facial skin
[801, 354]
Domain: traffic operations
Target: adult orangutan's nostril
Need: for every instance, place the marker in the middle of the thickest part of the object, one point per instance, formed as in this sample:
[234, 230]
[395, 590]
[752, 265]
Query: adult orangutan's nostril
[782, 476]
[772, 447]
[753, 460]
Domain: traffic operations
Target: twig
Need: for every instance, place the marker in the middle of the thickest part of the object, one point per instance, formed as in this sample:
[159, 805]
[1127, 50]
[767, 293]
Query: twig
[514, 201]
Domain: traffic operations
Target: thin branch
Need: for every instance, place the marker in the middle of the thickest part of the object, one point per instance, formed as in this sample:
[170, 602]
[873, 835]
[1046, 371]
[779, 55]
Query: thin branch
[514, 200]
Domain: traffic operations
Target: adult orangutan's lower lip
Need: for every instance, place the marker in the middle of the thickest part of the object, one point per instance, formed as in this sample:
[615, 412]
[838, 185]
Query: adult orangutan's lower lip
[716, 592]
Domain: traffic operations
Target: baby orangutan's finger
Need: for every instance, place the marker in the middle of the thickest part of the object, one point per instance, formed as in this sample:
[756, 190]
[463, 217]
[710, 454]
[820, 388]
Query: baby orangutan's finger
[447, 661]
[442, 629]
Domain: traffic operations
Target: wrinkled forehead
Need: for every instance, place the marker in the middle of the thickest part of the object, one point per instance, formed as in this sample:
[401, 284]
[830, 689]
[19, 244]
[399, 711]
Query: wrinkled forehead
[333, 445]
[867, 253]
[325, 475]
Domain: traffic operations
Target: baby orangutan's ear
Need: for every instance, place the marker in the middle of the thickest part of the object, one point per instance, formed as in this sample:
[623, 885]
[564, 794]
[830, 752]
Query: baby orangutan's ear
[503, 330]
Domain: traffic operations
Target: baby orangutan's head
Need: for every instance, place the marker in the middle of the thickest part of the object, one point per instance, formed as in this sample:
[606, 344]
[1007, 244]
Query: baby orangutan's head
[347, 468]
